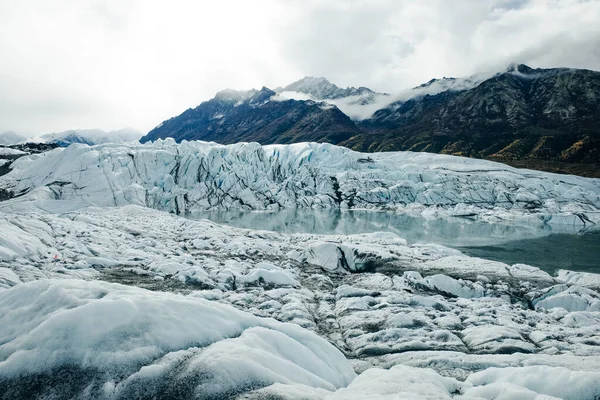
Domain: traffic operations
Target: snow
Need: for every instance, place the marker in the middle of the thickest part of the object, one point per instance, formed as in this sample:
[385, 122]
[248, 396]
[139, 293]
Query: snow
[103, 294]
[196, 176]
[8, 278]
[6, 151]
[405, 382]
[564, 384]
[270, 276]
[432, 308]
[235, 96]
[400, 382]
[9, 138]
[579, 278]
[447, 284]
[134, 336]
[494, 338]
[574, 298]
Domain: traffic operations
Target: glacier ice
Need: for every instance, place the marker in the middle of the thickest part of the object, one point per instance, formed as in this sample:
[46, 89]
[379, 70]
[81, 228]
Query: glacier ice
[102, 290]
[416, 297]
[196, 176]
[115, 341]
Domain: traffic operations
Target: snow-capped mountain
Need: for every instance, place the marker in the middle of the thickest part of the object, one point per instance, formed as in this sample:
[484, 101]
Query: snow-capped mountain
[89, 137]
[540, 118]
[10, 138]
[322, 89]
[259, 116]
[83, 136]
[358, 103]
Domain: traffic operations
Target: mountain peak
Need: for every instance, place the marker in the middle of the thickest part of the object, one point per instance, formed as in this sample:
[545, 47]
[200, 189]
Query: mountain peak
[320, 88]
[235, 96]
[261, 96]
[519, 68]
[314, 80]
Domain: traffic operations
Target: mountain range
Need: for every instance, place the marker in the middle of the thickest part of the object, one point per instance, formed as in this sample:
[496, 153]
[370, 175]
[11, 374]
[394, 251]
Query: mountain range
[544, 119]
[65, 138]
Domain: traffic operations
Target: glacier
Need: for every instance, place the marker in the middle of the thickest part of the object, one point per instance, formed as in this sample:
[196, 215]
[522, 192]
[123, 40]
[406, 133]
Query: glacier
[199, 176]
[108, 291]
[217, 312]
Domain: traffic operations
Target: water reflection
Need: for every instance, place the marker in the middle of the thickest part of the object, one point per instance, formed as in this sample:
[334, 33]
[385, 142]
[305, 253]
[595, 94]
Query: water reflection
[579, 252]
[547, 247]
[450, 232]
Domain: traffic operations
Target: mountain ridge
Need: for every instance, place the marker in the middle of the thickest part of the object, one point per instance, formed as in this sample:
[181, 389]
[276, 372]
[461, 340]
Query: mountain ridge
[545, 118]
[70, 136]
[257, 117]
[322, 89]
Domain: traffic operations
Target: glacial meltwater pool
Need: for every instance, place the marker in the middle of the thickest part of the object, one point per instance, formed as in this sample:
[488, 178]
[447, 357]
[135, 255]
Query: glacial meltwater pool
[548, 247]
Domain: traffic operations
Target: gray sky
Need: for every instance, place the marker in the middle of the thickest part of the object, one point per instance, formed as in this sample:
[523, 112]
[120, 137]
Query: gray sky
[113, 63]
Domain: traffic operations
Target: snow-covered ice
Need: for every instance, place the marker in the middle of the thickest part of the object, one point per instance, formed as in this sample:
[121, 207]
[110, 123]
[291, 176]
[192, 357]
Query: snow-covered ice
[419, 306]
[105, 295]
[111, 340]
[7, 151]
[196, 176]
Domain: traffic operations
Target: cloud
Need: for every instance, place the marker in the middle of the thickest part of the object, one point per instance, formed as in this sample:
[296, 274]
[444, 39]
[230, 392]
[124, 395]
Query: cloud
[403, 43]
[353, 106]
[113, 63]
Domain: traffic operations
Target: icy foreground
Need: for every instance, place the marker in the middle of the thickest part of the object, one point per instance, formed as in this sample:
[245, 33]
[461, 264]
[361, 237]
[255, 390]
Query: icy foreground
[198, 176]
[109, 340]
[231, 313]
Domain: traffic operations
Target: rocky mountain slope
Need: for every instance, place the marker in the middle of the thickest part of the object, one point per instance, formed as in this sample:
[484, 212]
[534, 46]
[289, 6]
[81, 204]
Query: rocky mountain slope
[522, 114]
[255, 116]
[539, 118]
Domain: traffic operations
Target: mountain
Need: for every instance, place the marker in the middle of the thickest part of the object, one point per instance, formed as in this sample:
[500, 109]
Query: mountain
[65, 138]
[9, 138]
[510, 106]
[259, 116]
[89, 137]
[544, 119]
[322, 89]
[529, 117]
[357, 103]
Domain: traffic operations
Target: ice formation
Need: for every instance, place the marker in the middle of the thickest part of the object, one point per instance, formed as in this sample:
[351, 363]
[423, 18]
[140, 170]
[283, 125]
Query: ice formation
[419, 307]
[105, 295]
[198, 176]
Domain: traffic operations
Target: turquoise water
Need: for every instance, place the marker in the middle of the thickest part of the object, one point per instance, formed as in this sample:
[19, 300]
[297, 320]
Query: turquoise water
[547, 247]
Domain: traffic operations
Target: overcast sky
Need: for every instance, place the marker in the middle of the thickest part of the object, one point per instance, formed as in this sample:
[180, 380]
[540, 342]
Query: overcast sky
[113, 63]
